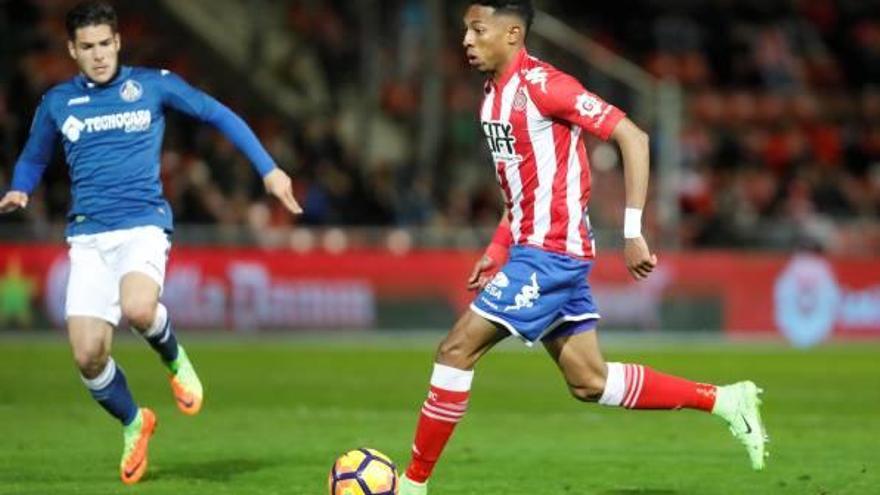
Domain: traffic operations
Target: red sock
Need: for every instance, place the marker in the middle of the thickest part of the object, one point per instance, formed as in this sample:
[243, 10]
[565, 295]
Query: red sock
[639, 387]
[440, 413]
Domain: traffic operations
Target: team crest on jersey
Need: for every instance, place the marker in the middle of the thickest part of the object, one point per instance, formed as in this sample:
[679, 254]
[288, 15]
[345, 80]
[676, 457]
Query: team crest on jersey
[588, 105]
[499, 136]
[520, 100]
[131, 91]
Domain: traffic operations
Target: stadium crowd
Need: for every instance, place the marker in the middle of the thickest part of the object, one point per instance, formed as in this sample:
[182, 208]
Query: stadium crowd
[780, 144]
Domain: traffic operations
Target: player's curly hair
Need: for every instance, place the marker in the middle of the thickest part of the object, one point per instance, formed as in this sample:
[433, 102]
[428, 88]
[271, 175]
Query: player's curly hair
[521, 8]
[90, 13]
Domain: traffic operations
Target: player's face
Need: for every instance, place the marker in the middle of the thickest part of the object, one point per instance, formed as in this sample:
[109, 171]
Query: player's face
[96, 51]
[488, 40]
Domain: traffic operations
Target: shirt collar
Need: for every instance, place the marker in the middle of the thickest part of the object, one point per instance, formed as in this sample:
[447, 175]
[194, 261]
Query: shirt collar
[121, 75]
[517, 63]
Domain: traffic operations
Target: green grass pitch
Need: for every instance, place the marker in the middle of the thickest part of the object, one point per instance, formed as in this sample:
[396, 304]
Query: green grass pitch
[278, 413]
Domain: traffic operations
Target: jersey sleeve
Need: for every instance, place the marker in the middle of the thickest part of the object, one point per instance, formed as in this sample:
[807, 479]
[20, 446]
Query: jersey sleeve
[37, 151]
[560, 96]
[179, 95]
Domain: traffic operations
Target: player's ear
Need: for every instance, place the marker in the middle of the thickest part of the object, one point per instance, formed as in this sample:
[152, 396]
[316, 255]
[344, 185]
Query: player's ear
[71, 49]
[117, 40]
[514, 34]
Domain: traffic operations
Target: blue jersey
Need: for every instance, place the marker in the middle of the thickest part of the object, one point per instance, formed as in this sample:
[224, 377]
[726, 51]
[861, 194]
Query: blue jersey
[112, 137]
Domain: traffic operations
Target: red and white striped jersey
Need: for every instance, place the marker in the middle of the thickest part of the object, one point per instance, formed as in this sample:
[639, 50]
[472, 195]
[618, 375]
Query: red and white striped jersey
[533, 118]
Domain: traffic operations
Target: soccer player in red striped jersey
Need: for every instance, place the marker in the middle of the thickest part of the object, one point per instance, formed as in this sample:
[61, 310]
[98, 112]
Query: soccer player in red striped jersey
[533, 277]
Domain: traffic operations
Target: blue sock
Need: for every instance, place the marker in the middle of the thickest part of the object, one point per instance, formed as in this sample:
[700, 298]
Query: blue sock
[161, 337]
[111, 391]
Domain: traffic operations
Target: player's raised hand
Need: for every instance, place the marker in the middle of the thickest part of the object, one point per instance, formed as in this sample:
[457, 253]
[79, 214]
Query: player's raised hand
[639, 260]
[279, 185]
[13, 200]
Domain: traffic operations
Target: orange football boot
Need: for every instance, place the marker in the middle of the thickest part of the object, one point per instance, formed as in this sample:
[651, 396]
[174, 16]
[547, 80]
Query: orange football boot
[137, 438]
[186, 385]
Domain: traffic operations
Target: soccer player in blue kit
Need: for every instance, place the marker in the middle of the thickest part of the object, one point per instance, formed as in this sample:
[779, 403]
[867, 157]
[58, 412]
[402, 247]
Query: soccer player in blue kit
[110, 119]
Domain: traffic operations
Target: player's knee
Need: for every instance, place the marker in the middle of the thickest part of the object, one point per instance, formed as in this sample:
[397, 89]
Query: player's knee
[589, 389]
[139, 314]
[452, 352]
[91, 360]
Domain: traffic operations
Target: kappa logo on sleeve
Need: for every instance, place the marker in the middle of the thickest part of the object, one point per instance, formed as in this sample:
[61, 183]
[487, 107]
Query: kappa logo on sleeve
[537, 76]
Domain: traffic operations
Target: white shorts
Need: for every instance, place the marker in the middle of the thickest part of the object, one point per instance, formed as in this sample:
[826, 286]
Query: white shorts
[99, 261]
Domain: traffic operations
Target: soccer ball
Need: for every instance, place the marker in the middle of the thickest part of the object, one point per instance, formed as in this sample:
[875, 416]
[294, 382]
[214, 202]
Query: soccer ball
[363, 472]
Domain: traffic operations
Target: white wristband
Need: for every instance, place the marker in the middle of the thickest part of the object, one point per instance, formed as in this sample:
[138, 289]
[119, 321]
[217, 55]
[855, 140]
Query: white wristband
[632, 223]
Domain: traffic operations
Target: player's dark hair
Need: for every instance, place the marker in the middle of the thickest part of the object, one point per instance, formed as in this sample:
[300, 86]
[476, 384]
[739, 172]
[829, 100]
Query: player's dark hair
[520, 8]
[90, 13]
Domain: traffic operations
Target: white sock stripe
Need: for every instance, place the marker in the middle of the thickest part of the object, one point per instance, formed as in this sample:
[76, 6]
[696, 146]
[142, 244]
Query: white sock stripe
[439, 410]
[166, 333]
[615, 385]
[452, 379]
[159, 323]
[629, 384]
[103, 379]
[452, 406]
[638, 381]
[641, 385]
[444, 419]
[631, 388]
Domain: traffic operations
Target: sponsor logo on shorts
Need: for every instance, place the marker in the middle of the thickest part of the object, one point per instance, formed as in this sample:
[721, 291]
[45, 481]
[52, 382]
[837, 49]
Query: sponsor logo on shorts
[496, 287]
[489, 303]
[527, 295]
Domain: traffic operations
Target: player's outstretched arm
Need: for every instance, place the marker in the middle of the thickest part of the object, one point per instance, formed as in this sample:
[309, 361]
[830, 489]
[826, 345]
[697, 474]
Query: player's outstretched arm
[633, 144]
[561, 96]
[181, 96]
[279, 185]
[493, 258]
[32, 162]
[13, 200]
